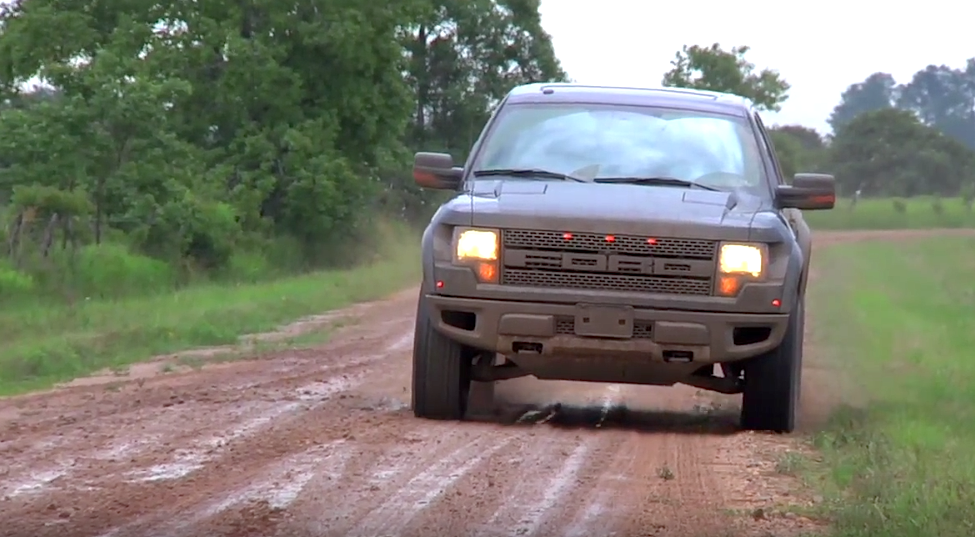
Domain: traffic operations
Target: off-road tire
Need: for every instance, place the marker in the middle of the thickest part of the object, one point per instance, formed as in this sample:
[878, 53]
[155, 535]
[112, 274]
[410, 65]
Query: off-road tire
[441, 370]
[773, 382]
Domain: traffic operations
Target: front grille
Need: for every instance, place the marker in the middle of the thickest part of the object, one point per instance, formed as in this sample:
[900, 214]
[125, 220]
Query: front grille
[624, 244]
[607, 282]
[588, 261]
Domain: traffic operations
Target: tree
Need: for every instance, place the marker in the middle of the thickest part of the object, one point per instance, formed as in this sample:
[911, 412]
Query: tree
[799, 149]
[191, 129]
[891, 152]
[944, 98]
[715, 69]
[876, 92]
[464, 56]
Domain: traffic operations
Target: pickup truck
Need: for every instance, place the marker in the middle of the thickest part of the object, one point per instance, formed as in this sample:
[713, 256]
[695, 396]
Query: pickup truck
[618, 235]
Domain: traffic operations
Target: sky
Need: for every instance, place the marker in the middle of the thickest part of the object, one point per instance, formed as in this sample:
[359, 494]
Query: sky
[820, 48]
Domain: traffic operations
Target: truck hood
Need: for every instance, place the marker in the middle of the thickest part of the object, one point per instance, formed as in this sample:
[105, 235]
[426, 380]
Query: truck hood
[611, 208]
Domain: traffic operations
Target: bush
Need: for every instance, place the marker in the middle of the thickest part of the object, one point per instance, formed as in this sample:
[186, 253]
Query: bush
[937, 206]
[110, 270]
[248, 267]
[14, 283]
[900, 207]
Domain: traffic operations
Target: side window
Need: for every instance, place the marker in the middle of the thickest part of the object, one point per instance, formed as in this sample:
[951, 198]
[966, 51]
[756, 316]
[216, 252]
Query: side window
[769, 150]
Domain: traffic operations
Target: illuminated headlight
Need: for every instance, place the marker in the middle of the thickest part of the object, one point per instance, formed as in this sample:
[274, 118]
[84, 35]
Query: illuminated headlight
[475, 244]
[741, 259]
[478, 249]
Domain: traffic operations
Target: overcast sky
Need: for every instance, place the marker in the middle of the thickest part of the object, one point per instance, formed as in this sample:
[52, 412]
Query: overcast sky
[820, 48]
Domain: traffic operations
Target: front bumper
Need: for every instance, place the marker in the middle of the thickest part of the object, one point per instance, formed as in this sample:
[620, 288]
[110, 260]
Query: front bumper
[505, 326]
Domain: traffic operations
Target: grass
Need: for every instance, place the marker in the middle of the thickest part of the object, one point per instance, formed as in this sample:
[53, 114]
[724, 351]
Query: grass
[882, 213]
[901, 325]
[45, 343]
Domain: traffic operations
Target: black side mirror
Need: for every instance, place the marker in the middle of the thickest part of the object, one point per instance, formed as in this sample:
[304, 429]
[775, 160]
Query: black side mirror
[808, 191]
[436, 170]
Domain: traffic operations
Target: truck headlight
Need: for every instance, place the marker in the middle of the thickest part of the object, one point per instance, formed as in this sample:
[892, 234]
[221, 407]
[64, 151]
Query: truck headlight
[478, 248]
[741, 259]
[737, 262]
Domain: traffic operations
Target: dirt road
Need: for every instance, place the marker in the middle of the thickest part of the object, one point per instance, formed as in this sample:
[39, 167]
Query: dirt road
[321, 442]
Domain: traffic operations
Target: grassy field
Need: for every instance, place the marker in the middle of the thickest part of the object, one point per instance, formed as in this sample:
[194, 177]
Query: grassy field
[901, 328]
[889, 213]
[46, 343]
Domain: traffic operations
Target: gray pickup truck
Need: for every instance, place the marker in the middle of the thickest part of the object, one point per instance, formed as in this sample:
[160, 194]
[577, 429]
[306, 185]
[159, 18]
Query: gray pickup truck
[619, 235]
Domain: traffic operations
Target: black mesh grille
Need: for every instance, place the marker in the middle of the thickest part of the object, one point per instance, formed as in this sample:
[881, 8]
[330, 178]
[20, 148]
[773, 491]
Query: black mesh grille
[607, 282]
[540, 262]
[624, 244]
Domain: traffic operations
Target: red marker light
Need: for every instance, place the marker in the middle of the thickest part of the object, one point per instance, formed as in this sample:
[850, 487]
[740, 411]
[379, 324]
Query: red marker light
[776, 302]
[439, 284]
[567, 236]
[651, 242]
[610, 238]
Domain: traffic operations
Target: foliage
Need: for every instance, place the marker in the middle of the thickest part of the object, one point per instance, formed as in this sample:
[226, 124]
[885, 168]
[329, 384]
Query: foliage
[192, 133]
[941, 96]
[869, 153]
[877, 92]
[99, 333]
[798, 148]
[715, 69]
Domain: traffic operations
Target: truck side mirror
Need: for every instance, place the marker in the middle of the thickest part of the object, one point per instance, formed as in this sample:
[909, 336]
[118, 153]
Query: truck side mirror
[436, 170]
[808, 191]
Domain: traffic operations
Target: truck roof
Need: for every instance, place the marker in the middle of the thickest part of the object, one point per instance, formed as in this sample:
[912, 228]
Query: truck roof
[680, 98]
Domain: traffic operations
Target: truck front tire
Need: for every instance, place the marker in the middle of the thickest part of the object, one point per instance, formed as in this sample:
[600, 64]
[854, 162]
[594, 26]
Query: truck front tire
[773, 382]
[441, 370]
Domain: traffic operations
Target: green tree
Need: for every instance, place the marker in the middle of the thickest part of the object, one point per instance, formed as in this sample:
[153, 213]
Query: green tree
[876, 92]
[194, 129]
[944, 98]
[715, 69]
[869, 153]
[798, 148]
[192, 125]
[464, 57]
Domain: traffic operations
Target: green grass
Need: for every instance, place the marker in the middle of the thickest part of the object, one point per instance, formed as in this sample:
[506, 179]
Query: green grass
[900, 325]
[46, 343]
[918, 213]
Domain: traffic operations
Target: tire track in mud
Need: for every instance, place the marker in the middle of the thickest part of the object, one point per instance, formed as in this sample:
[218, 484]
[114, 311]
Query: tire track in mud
[320, 442]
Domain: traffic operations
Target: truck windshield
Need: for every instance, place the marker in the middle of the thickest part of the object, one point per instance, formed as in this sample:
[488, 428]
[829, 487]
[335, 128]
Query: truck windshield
[610, 143]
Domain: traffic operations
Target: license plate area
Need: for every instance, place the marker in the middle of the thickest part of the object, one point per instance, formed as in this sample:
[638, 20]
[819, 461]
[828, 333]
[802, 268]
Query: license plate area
[615, 322]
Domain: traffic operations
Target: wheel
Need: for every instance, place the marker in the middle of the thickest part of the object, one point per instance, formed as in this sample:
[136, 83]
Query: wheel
[441, 370]
[773, 382]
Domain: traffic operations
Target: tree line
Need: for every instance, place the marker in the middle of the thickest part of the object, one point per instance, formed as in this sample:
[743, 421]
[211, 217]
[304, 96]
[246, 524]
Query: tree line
[199, 134]
[902, 140]
[192, 131]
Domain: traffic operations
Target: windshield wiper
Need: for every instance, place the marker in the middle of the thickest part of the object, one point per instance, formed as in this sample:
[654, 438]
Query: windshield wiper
[667, 181]
[527, 172]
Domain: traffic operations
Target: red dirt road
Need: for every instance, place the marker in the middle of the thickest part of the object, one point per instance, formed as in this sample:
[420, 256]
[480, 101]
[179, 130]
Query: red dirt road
[321, 442]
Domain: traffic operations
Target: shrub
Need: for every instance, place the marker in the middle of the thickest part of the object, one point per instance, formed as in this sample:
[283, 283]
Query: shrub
[248, 267]
[899, 206]
[110, 270]
[14, 283]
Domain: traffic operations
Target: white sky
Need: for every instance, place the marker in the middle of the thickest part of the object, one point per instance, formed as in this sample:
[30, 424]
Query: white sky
[819, 48]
